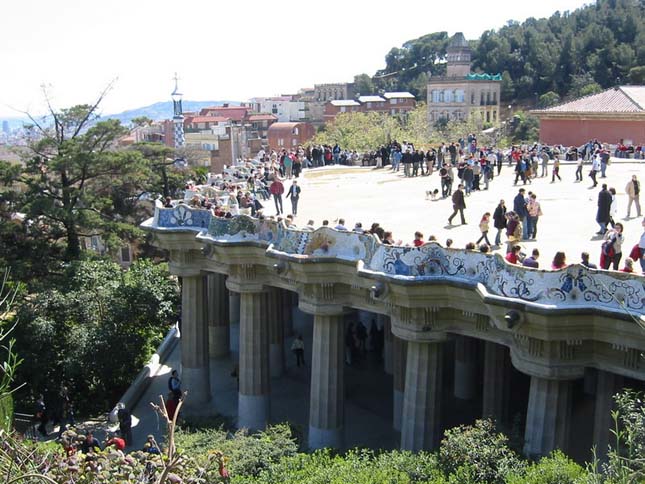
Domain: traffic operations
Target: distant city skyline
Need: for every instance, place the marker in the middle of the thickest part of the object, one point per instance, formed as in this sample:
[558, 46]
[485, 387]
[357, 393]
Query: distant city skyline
[236, 50]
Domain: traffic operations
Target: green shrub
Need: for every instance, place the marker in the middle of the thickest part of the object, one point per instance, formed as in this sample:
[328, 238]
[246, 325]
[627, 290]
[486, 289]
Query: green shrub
[484, 452]
[6, 412]
[554, 469]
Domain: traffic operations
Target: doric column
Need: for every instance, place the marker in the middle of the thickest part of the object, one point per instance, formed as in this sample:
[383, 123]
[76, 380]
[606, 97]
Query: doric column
[194, 344]
[234, 321]
[287, 299]
[326, 409]
[275, 302]
[218, 315]
[386, 325]
[548, 418]
[421, 424]
[465, 367]
[497, 371]
[399, 356]
[254, 392]
[608, 384]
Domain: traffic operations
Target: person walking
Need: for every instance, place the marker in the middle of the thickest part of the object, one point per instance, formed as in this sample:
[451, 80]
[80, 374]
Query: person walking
[499, 221]
[483, 227]
[277, 189]
[556, 170]
[458, 204]
[633, 191]
[612, 248]
[604, 208]
[174, 384]
[595, 167]
[125, 423]
[294, 195]
[298, 348]
[579, 170]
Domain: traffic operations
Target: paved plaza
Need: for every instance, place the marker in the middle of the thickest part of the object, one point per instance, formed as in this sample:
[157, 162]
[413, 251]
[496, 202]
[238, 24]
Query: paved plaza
[399, 204]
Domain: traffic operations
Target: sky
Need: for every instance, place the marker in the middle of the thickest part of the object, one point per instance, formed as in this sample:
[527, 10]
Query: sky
[222, 50]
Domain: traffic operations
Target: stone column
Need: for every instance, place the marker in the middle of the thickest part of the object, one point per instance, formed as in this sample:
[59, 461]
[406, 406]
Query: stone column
[326, 409]
[399, 357]
[194, 344]
[287, 299]
[386, 324]
[465, 367]
[608, 384]
[254, 393]
[218, 316]
[548, 418]
[421, 424]
[276, 331]
[234, 321]
[497, 372]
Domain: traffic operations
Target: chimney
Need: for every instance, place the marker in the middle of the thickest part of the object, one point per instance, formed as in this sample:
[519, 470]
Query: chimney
[225, 105]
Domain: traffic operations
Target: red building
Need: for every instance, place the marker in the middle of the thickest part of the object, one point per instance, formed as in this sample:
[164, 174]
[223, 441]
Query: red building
[609, 116]
[289, 135]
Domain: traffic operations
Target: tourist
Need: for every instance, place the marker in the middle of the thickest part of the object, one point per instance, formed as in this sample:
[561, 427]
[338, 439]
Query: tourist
[611, 252]
[579, 170]
[172, 402]
[151, 446]
[448, 243]
[613, 208]
[341, 225]
[604, 161]
[298, 348]
[484, 248]
[125, 423]
[418, 239]
[117, 442]
[387, 238]
[532, 260]
[633, 190]
[534, 211]
[585, 261]
[595, 168]
[556, 170]
[484, 227]
[309, 227]
[641, 247]
[629, 265]
[519, 207]
[559, 261]
[174, 384]
[41, 415]
[90, 444]
[514, 255]
[277, 189]
[604, 209]
[446, 181]
[294, 195]
[499, 221]
[513, 230]
[458, 204]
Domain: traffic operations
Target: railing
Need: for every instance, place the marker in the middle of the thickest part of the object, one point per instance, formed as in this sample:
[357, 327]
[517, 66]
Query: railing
[574, 287]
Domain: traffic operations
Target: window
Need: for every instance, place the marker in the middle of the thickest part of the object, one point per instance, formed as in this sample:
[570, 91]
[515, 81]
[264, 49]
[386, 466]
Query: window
[494, 116]
[472, 98]
[488, 116]
[295, 131]
[488, 97]
[274, 109]
[459, 95]
[392, 101]
[125, 254]
[495, 98]
[369, 105]
[447, 96]
[481, 98]
[280, 141]
[435, 96]
[393, 112]
[294, 142]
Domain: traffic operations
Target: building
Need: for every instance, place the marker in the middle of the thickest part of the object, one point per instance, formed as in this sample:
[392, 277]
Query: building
[461, 94]
[511, 340]
[285, 108]
[394, 103]
[289, 135]
[334, 91]
[609, 116]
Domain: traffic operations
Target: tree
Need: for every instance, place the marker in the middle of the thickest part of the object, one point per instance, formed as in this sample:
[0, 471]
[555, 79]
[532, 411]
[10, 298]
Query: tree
[548, 99]
[637, 75]
[70, 173]
[583, 85]
[364, 85]
[141, 121]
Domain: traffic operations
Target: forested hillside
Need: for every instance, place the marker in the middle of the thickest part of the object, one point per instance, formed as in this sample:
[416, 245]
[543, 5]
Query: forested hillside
[570, 53]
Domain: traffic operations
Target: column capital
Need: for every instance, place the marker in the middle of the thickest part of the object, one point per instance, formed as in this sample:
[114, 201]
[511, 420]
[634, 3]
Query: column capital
[185, 263]
[417, 324]
[533, 360]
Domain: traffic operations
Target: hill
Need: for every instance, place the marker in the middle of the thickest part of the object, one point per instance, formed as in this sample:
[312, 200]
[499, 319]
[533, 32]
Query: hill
[569, 54]
[161, 110]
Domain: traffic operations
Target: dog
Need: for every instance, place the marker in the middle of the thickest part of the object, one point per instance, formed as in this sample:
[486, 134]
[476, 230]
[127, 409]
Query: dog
[433, 194]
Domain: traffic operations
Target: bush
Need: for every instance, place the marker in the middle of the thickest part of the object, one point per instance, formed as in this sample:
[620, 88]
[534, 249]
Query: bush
[6, 412]
[483, 452]
[555, 469]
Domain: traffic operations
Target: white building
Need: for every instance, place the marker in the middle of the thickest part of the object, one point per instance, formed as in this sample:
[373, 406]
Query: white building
[284, 107]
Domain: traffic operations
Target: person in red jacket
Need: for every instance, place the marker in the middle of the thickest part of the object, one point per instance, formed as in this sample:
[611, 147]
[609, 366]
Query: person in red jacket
[277, 189]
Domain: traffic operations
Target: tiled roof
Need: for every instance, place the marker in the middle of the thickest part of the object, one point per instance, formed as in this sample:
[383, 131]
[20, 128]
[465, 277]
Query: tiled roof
[398, 95]
[370, 99]
[623, 99]
[344, 102]
[262, 117]
[206, 119]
